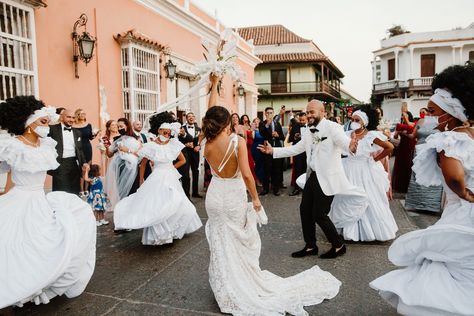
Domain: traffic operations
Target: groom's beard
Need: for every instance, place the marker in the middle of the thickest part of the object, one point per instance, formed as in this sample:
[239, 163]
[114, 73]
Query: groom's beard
[314, 121]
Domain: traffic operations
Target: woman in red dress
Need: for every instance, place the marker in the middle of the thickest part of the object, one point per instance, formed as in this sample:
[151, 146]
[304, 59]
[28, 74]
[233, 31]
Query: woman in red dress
[249, 136]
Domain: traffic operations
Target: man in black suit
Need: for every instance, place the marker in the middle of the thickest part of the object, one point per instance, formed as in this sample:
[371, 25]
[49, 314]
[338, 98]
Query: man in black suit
[137, 130]
[272, 132]
[185, 138]
[299, 161]
[71, 158]
[192, 149]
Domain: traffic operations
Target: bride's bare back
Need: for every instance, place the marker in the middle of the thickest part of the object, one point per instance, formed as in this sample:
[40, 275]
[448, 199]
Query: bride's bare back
[219, 150]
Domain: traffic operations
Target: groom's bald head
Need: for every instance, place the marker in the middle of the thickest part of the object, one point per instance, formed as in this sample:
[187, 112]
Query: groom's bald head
[315, 111]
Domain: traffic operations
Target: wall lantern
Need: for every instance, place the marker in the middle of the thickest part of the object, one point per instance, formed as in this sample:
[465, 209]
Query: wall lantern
[241, 90]
[83, 44]
[170, 70]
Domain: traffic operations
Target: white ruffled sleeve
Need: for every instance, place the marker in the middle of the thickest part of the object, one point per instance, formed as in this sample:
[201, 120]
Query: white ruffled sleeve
[16, 155]
[147, 151]
[454, 144]
[371, 136]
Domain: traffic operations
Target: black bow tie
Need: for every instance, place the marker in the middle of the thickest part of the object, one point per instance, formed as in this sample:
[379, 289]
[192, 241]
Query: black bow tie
[190, 126]
[313, 129]
[69, 129]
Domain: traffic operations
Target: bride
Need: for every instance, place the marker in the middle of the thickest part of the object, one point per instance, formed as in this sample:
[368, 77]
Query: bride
[239, 285]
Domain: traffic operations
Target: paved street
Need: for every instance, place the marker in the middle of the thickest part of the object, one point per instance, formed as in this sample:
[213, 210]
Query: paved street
[131, 279]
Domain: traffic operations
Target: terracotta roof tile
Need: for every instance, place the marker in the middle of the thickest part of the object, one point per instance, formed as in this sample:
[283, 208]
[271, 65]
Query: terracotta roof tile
[270, 34]
[135, 36]
[292, 57]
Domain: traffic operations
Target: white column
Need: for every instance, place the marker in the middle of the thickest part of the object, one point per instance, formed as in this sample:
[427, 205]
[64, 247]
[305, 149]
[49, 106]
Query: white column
[396, 65]
[411, 64]
[374, 70]
[460, 56]
[453, 52]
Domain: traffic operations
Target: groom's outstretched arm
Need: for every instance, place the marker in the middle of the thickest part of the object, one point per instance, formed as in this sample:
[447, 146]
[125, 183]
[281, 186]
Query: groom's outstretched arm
[282, 152]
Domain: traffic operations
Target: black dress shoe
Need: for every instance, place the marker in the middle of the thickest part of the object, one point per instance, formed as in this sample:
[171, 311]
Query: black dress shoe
[264, 192]
[197, 195]
[332, 253]
[294, 192]
[305, 252]
[276, 193]
[283, 186]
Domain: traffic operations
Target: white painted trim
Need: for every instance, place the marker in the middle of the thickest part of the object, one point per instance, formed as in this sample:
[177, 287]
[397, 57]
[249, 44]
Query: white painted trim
[194, 24]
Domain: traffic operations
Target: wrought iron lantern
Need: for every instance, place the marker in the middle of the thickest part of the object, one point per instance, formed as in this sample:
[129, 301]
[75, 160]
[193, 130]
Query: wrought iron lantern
[241, 90]
[83, 44]
[170, 70]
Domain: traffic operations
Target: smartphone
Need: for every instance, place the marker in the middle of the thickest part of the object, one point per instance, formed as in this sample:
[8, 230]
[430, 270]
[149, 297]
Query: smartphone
[106, 141]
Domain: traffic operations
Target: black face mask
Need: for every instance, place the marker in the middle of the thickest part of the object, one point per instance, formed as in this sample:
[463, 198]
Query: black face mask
[122, 131]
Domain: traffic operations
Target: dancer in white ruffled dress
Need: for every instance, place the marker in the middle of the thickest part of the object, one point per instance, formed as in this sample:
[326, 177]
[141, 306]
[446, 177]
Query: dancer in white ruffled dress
[376, 221]
[438, 278]
[239, 285]
[47, 242]
[160, 205]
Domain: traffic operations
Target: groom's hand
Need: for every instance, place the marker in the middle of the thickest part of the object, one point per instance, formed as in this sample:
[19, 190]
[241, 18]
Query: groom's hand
[266, 148]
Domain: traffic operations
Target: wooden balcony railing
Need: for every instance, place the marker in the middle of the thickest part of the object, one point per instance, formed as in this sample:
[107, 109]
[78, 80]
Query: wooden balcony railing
[297, 87]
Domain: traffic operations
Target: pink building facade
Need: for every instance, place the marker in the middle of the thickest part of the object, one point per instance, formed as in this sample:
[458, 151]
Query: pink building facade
[126, 76]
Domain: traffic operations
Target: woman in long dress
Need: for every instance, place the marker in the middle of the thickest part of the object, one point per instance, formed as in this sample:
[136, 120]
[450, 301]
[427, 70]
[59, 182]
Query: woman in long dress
[367, 172]
[239, 285]
[121, 179]
[421, 197]
[438, 273]
[47, 241]
[160, 205]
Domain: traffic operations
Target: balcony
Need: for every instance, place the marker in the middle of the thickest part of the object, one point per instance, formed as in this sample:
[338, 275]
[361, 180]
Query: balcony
[298, 88]
[414, 84]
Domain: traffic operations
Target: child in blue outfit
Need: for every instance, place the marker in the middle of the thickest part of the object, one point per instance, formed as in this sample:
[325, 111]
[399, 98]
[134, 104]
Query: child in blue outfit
[96, 197]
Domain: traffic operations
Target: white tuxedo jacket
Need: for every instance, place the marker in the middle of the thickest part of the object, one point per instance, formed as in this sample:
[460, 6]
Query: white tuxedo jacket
[332, 142]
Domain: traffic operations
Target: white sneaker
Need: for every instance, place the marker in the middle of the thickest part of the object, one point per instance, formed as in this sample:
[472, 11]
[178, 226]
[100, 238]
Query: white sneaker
[104, 222]
[98, 223]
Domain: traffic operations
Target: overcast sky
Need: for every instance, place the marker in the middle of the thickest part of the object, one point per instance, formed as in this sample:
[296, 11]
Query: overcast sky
[346, 30]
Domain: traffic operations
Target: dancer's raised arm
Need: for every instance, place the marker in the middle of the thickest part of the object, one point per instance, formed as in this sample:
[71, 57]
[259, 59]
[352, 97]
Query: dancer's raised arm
[214, 94]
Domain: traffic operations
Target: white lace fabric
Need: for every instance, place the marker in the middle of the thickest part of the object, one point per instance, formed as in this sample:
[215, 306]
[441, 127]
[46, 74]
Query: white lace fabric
[239, 285]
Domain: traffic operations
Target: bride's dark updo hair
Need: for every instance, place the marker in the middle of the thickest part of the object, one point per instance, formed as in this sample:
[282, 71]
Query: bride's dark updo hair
[217, 118]
[158, 119]
[15, 111]
[459, 80]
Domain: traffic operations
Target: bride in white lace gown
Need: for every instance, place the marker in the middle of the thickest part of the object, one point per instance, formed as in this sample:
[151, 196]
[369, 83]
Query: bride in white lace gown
[239, 285]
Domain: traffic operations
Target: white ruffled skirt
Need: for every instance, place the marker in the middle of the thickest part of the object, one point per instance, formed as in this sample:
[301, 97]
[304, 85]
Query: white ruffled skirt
[373, 222]
[161, 207]
[47, 246]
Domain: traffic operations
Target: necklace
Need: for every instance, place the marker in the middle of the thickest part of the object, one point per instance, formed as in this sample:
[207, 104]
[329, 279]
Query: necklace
[29, 142]
[358, 134]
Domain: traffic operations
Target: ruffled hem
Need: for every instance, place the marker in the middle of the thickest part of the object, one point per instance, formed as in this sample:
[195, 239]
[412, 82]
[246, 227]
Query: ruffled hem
[22, 157]
[161, 153]
[454, 144]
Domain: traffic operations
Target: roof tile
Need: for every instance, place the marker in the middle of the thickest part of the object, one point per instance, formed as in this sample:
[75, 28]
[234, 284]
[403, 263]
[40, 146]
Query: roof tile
[292, 57]
[270, 34]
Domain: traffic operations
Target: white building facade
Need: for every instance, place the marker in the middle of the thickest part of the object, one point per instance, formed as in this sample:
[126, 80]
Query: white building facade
[404, 66]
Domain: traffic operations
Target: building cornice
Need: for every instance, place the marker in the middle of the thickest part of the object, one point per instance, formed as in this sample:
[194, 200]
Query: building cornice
[422, 42]
[195, 25]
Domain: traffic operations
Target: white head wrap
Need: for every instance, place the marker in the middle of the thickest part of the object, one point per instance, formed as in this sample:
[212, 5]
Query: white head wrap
[444, 99]
[175, 127]
[165, 126]
[49, 112]
[362, 115]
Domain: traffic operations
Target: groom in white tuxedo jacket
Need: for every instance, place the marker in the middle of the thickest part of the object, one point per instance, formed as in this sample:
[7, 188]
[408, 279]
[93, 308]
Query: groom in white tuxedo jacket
[323, 141]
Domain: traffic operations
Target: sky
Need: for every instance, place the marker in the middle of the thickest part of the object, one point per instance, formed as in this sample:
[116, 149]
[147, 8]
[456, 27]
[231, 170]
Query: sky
[347, 31]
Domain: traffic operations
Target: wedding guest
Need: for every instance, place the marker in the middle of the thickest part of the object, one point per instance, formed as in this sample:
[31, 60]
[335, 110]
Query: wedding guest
[421, 197]
[96, 197]
[121, 179]
[272, 133]
[256, 153]
[404, 156]
[111, 134]
[185, 139]
[47, 241]
[249, 137]
[192, 148]
[437, 267]
[235, 125]
[299, 161]
[160, 207]
[87, 134]
[364, 170]
[137, 129]
[67, 177]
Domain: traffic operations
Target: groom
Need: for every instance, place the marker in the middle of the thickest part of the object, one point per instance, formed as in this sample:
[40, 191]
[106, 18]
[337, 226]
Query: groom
[323, 142]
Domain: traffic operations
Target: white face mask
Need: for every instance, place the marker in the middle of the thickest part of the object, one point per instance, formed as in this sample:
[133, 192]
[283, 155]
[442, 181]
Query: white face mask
[430, 122]
[163, 138]
[354, 126]
[42, 131]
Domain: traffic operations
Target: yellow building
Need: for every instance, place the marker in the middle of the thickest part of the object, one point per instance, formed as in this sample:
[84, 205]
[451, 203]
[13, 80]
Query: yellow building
[293, 69]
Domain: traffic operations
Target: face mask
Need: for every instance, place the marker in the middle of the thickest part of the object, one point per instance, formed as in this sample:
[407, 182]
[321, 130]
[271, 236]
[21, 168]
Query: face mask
[354, 126]
[422, 115]
[430, 122]
[163, 138]
[42, 131]
[122, 131]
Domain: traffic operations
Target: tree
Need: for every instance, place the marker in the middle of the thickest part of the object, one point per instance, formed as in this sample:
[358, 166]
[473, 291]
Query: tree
[396, 30]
